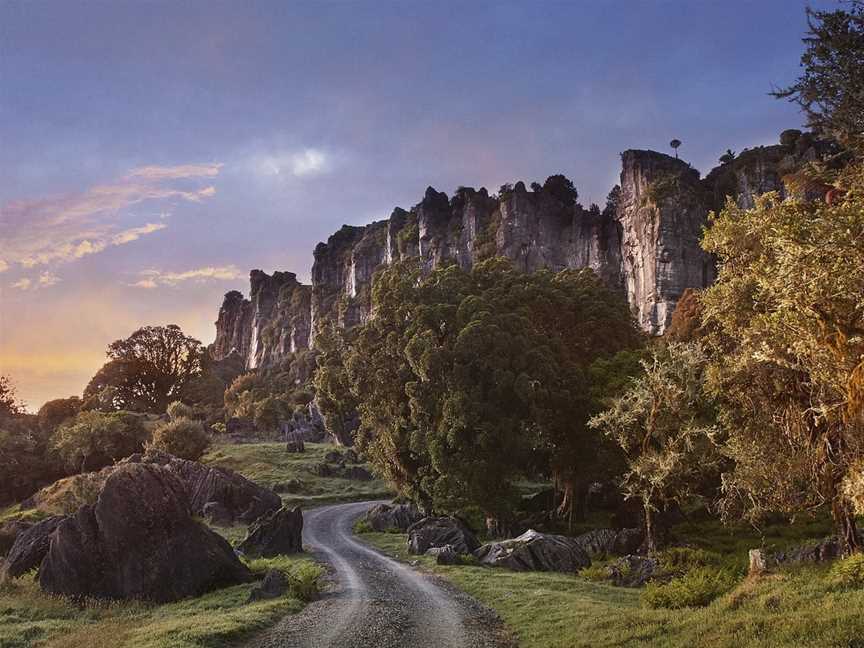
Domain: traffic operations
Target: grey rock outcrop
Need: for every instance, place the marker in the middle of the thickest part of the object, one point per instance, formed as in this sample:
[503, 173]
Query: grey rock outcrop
[277, 533]
[644, 243]
[388, 517]
[273, 585]
[534, 551]
[139, 542]
[30, 547]
[438, 532]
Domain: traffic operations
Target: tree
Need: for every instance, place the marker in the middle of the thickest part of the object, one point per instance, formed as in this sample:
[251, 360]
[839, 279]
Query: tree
[95, 439]
[464, 380]
[830, 91]
[665, 425]
[181, 437]
[728, 157]
[146, 371]
[788, 316]
[9, 404]
[333, 394]
[562, 188]
[675, 143]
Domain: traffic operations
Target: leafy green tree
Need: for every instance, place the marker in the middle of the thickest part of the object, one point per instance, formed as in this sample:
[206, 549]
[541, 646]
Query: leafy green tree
[9, 404]
[665, 425]
[95, 439]
[465, 380]
[830, 90]
[181, 437]
[333, 394]
[562, 188]
[146, 371]
[788, 307]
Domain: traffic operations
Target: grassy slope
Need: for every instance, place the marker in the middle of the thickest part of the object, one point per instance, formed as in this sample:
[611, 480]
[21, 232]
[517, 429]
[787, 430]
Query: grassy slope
[30, 618]
[269, 464]
[795, 608]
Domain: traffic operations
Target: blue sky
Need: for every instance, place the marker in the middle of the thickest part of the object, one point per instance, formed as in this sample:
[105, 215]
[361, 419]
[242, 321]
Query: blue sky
[154, 152]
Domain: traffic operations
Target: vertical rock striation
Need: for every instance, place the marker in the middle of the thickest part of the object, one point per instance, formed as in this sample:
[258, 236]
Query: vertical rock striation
[645, 242]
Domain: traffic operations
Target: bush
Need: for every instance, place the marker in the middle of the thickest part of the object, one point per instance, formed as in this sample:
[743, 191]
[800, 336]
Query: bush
[96, 439]
[362, 526]
[680, 560]
[595, 573]
[178, 410]
[182, 438]
[303, 580]
[848, 572]
[696, 588]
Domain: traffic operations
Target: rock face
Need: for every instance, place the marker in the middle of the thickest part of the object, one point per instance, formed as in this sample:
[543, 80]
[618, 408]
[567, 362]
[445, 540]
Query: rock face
[386, 517]
[644, 243]
[609, 542]
[30, 547]
[278, 533]
[241, 499]
[439, 532]
[533, 551]
[139, 541]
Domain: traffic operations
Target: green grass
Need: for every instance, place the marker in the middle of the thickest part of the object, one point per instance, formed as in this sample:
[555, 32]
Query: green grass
[269, 464]
[794, 608]
[29, 618]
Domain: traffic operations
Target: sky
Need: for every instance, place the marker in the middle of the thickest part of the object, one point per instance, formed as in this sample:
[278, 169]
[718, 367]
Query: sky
[152, 153]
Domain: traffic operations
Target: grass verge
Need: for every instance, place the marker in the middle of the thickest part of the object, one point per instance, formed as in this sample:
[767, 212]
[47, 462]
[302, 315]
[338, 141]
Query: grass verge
[800, 608]
[30, 618]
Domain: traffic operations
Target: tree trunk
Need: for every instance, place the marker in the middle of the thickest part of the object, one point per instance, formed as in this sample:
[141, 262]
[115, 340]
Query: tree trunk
[650, 543]
[845, 526]
[578, 502]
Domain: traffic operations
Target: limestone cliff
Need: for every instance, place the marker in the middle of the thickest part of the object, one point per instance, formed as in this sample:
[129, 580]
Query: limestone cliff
[645, 242]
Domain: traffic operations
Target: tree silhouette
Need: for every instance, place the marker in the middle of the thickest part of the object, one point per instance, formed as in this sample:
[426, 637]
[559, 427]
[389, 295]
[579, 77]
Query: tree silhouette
[675, 143]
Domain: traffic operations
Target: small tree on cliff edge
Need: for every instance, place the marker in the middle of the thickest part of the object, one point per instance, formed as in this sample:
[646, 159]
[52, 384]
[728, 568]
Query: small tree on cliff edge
[675, 143]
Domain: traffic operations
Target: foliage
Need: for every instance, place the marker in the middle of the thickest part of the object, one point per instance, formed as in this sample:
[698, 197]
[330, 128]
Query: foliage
[561, 188]
[830, 90]
[56, 411]
[26, 456]
[680, 560]
[335, 399]
[9, 404]
[595, 573]
[665, 426]
[181, 437]
[362, 526]
[146, 371]
[95, 439]
[788, 316]
[848, 572]
[686, 324]
[695, 588]
[179, 409]
[465, 380]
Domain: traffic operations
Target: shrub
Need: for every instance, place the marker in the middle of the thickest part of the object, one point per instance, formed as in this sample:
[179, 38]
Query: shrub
[595, 573]
[696, 588]
[96, 439]
[362, 526]
[182, 438]
[303, 580]
[178, 409]
[680, 560]
[848, 572]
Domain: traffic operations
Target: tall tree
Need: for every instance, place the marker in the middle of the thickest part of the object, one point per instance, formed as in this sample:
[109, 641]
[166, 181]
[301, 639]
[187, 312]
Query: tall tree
[787, 326]
[830, 90]
[146, 371]
[665, 425]
[9, 404]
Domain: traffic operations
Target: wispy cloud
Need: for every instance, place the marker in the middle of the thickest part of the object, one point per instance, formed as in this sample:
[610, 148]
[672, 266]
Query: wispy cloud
[3, 266]
[156, 278]
[60, 229]
[44, 280]
[308, 162]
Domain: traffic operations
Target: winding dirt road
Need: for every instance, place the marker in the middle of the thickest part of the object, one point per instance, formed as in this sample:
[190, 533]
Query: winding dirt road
[375, 602]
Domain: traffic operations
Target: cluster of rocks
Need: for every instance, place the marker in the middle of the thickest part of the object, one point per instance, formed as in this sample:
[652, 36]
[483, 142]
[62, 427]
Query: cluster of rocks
[342, 465]
[141, 539]
[450, 540]
[392, 517]
[762, 560]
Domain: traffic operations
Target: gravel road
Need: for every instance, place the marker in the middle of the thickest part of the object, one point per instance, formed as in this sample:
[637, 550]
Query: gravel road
[372, 601]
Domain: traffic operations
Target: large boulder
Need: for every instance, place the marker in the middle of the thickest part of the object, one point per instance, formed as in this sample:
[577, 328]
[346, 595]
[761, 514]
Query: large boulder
[10, 530]
[438, 532]
[534, 551]
[357, 473]
[30, 547]
[244, 500]
[140, 541]
[392, 517]
[277, 533]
